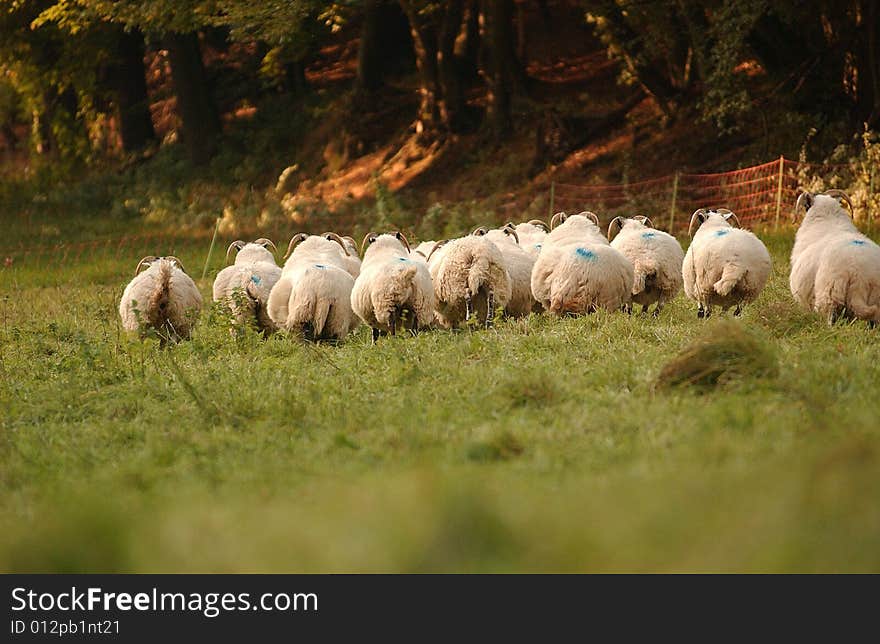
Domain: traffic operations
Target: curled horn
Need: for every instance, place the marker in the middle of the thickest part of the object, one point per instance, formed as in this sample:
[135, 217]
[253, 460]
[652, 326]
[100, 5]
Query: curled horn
[731, 215]
[403, 240]
[435, 247]
[512, 233]
[804, 199]
[172, 258]
[262, 241]
[479, 231]
[840, 194]
[540, 223]
[237, 244]
[421, 253]
[351, 240]
[647, 222]
[590, 215]
[558, 218]
[697, 213]
[366, 239]
[294, 241]
[330, 236]
[145, 261]
[619, 222]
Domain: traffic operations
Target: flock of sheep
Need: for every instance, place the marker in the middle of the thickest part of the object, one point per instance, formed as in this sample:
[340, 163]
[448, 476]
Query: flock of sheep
[325, 288]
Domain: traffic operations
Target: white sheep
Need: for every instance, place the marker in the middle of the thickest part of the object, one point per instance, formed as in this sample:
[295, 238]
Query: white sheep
[530, 235]
[351, 261]
[470, 278]
[162, 298]
[393, 289]
[723, 266]
[244, 287]
[656, 257]
[835, 269]
[519, 265]
[313, 295]
[578, 271]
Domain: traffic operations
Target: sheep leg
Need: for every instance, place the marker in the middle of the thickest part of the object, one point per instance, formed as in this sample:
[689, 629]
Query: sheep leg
[468, 307]
[375, 335]
[392, 322]
[644, 309]
[627, 308]
[701, 312]
[490, 308]
[658, 308]
[413, 323]
[737, 311]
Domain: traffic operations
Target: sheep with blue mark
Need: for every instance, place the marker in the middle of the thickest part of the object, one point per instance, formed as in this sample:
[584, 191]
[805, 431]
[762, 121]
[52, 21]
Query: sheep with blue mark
[244, 287]
[470, 280]
[578, 271]
[656, 257]
[393, 290]
[530, 235]
[313, 295]
[724, 266]
[835, 269]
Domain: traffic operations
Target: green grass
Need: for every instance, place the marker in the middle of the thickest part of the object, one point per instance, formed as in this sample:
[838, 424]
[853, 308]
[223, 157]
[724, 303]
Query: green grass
[539, 445]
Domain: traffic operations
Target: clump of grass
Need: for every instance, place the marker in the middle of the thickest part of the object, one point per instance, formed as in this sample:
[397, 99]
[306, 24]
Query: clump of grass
[531, 390]
[498, 446]
[726, 353]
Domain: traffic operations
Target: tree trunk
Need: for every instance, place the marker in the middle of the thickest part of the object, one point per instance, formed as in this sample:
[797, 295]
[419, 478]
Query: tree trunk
[295, 80]
[499, 29]
[135, 123]
[370, 60]
[198, 112]
[469, 52]
[452, 104]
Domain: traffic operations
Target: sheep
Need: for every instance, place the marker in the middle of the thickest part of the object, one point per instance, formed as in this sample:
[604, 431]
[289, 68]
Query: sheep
[578, 271]
[470, 278]
[244, 287]
[162, 298]
[724, 265]
[656, 257]
[351, 260]
[313, 295]
[530, 235]
[835, 269]
[392, 287]
[519, 265]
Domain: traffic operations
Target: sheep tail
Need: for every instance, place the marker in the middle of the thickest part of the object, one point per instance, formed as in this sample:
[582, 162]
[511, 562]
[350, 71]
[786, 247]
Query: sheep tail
[730, 277]
[309, 314]
[478, 274]
[642, 272]
[322, 312]
[157, 306]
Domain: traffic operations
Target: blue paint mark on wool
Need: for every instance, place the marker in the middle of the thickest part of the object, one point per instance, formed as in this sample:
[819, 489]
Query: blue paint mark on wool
[648, 235]
[402, 259]
[588, 255]
[256, 279]
[321, 266]
[538, 246]
[858, 242]
[721, 233]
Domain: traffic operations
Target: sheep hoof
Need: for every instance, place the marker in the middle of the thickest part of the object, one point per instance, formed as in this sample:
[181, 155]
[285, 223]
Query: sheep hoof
[490, 308]
[375, 335]
[656, 312]
[701, 313]
[644, 309]
[737, 311]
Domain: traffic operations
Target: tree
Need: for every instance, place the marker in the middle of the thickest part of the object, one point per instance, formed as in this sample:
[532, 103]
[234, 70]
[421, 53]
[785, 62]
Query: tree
[128, 77]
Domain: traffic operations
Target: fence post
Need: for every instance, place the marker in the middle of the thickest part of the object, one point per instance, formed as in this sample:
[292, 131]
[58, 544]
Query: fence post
[672, 207]
[779, 191]
[552, 197]
[211, 249]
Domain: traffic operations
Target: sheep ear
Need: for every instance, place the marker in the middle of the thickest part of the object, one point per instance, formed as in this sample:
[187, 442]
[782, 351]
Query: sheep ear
[296, 239]
[590, 215]
[729, 215]
[557, 219]
[540, 223]
[402, 238]
[805, 201]
[700, 216]
[146, 261]
[512, 233]
[479, 231]
[645, 221]
[266, 243]
[237, 245]
[175, 261]
[368, 239]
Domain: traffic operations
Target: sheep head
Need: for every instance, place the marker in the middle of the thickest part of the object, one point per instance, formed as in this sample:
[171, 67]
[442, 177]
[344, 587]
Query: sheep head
[590, 215]
[480, 231]
[808, 199]
[558, 218]
[237, 245]
[145, 262]
[540, 224]
[294, 242]
[702, 215]
[330, 236]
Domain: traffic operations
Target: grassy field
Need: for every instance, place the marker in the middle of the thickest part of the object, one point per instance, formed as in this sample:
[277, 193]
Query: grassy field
[538, 445]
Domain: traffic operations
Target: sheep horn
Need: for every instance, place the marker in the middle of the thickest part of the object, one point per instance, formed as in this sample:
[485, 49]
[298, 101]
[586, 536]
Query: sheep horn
[146, 260]
[541, 223]
[590, 215]
[364, 242]
[804, 199]
[237, 244]
[479, 231]
[730, 215]
[723, 211]
[697, 213]
[840, 194]
[294, 241]
[645, 221]
[262, 241]
[422, 254]
[618, 221]
[329, 236]
[172, 258]
[558, 218]
[435, 247]
[512, 233]
[350, 239]
[403, 239]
